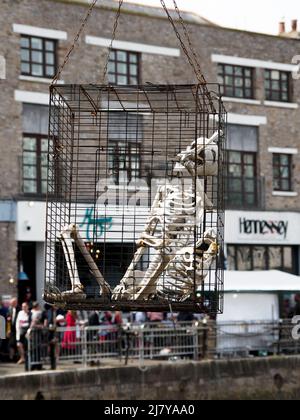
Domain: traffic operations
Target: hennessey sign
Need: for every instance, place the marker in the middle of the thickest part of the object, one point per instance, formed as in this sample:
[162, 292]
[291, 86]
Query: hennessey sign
[274, 228]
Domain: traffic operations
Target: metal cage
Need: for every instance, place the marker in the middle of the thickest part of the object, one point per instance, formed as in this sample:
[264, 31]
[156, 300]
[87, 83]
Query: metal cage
[135, 214]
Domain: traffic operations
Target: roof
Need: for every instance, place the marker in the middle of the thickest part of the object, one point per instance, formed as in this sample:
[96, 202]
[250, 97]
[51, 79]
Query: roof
[140, 9]
[261, 281]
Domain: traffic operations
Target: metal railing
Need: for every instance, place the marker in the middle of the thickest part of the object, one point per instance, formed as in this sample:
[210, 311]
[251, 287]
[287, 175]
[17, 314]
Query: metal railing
[159, 341]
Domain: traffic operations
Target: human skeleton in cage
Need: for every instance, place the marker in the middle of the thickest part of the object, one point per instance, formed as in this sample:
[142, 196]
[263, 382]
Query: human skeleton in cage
[178, 265]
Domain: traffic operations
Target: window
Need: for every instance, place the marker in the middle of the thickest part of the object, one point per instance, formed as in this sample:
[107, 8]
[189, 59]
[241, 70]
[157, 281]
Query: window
[257, 258]
[123, 68]
[277, 86]
[124, 161]
[35, 162]
[236, 81]
[38, 57]
[282, 172]
[241, 185]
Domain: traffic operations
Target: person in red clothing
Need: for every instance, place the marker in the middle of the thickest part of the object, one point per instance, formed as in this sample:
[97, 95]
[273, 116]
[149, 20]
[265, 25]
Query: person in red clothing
[69, 339]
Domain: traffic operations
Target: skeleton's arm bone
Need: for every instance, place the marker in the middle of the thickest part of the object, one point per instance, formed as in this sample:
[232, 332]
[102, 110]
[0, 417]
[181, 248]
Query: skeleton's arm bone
[68, 250]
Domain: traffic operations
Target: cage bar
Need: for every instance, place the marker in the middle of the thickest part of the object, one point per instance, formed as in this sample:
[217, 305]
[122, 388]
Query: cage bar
[135, 213]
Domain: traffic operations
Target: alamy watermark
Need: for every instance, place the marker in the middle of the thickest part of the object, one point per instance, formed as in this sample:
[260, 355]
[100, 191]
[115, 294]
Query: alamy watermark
[296, 329]
[2, 68]
[2, 328]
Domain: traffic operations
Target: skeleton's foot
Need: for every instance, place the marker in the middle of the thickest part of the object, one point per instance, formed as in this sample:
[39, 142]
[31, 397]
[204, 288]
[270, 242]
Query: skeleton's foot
[77, 290]
[128, 287]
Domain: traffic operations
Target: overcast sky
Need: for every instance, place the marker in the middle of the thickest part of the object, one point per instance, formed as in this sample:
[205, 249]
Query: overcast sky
[253, 15]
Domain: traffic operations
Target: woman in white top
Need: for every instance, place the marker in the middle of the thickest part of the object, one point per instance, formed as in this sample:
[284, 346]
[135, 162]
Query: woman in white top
[22, 325]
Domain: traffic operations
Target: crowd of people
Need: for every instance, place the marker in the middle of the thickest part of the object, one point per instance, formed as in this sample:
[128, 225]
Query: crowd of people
[21, 320]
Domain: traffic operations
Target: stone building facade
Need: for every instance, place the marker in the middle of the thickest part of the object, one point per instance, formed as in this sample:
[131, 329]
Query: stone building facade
[263, 129]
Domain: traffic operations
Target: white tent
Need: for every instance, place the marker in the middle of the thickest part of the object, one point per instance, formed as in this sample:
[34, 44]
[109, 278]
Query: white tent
[261, 281]
[254, 295]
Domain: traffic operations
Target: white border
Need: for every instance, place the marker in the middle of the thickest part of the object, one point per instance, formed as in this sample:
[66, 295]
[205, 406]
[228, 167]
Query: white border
[288, 105]
[284, 194]
[40, 32]
[252, 120]
[39, 80]
[241, 101]
[248, 62]
[132, 46]
[32, 97]
[283, 150]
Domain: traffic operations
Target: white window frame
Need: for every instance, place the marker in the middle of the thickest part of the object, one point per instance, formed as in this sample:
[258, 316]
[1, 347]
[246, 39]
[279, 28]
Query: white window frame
[40, 32]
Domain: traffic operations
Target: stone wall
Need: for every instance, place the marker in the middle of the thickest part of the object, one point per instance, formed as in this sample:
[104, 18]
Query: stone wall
[273, 378]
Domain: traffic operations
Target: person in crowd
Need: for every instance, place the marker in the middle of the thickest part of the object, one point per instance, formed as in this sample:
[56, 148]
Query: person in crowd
[28, 298]
[118, 320]
[22, 325]
[94, 320]
[155, 316]
[12, 316]
[3, 343]
[36, 316]
[69, 338]
[140, 317]
[185, 317]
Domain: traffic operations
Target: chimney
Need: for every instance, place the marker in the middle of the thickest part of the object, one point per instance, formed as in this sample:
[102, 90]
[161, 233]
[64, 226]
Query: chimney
[281, 28]
[294, 25]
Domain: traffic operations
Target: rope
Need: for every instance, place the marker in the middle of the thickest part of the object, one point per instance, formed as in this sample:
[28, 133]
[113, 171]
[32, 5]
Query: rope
[110, 48]
[193, 60]
[183, 46]
[186, 33]
[76, 39]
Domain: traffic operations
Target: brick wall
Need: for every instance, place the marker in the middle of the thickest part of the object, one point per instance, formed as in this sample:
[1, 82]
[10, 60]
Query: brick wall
[86, 66]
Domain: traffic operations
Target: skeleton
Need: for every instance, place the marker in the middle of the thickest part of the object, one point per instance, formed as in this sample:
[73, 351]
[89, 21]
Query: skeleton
[188, 269]
[68, 235]
[175, 214]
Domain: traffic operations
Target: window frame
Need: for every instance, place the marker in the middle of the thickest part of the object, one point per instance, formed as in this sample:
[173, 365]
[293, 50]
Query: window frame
[269, 92]
[280, 178]
[224, 87]
[128, 63]
[115, 146]
[38, 153]
[267, 248]
[44, 52]
[243, 178]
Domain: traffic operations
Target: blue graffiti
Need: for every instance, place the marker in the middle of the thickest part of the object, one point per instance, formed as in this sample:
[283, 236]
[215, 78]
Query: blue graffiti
[95, 227]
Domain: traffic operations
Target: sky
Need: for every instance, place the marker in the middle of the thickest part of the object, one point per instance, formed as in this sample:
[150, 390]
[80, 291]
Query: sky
[254, 15]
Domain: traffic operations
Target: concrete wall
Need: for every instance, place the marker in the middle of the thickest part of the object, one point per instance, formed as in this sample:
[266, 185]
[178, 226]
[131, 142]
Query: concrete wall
[274, 378]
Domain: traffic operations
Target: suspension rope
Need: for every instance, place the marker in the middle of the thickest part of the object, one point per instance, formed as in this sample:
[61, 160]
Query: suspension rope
[76, 39]
[188, 49]
[187, 35]
[110, 48]
[193, 60]
[182, 44]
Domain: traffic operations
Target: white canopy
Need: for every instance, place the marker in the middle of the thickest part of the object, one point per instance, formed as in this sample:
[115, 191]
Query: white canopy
[261, 281]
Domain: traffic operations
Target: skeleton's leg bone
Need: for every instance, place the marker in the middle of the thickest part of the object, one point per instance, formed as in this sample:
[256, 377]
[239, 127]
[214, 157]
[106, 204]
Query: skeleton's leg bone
[156, 268]
[68, 249]
[105, 289]
[129, 281]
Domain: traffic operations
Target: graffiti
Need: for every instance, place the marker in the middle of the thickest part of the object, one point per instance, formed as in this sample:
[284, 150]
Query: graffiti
[2, 328]
[95, 227]
[263, 227]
